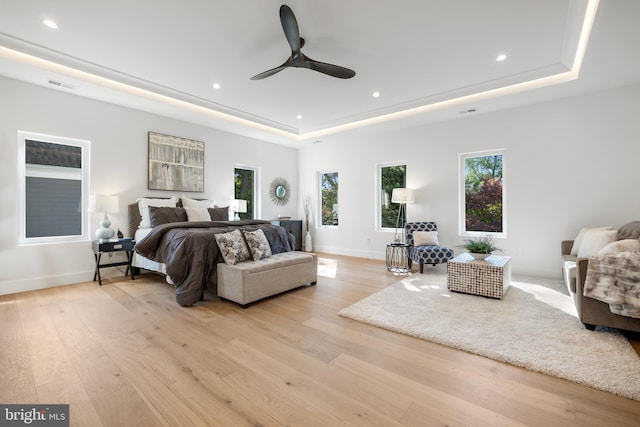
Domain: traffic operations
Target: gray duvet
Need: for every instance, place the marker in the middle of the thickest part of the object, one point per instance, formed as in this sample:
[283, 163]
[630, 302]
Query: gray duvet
[191, 255]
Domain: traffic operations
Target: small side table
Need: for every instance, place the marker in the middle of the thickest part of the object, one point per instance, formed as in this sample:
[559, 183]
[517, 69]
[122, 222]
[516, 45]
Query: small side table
[490, 277]
[398, 258]
[122, 245]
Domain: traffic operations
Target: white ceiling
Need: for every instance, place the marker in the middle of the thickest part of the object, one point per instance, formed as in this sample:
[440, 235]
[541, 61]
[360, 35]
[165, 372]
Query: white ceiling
[431, 57]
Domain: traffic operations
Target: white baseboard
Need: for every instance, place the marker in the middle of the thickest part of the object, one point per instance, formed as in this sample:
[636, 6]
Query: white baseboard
[14, 286]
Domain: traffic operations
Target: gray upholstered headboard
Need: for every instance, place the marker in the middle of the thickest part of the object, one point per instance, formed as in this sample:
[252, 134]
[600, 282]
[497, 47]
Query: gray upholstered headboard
[134, 218]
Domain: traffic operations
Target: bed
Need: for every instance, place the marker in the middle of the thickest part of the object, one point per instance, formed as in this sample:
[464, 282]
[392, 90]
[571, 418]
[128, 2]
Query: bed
[184, 248]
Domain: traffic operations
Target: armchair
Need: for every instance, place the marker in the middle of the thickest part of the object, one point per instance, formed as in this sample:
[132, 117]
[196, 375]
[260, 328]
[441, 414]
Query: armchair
[424, 248]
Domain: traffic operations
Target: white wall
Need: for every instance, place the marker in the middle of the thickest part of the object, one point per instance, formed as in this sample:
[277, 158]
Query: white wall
[569, 163]
[119, 166]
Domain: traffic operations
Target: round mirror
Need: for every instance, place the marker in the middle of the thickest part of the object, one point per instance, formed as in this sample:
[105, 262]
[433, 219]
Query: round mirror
[279, 191]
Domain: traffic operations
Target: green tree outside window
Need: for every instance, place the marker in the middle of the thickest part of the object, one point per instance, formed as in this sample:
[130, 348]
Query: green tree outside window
[329, 188]
[244, 180]
[391, 177]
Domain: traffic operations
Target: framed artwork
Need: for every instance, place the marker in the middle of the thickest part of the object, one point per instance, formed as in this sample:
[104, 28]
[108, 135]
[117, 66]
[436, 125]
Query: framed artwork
[175, 164]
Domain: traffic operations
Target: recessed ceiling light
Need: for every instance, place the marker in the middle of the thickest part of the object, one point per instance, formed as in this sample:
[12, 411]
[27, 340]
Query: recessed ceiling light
[299, 117]
[216, 85]
[376, 94]
[501, 57]
[49, 23]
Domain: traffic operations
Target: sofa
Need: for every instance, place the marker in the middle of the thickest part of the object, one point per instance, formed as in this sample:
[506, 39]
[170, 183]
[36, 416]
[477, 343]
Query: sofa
[576, 253]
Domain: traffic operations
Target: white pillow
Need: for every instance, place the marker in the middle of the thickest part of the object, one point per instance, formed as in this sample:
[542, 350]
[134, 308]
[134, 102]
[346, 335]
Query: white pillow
[626, 245]
[192, 203]
[143, 207]
[197, 214]
[425, 238]
[578, 240]
[594, 240]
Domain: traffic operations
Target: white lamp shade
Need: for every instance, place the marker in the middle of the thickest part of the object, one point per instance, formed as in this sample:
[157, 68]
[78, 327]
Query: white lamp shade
[102, 203]
[238, 205]
[402, 195]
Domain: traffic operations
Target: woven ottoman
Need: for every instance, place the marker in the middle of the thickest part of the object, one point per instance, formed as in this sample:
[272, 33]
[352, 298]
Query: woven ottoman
[489, 277]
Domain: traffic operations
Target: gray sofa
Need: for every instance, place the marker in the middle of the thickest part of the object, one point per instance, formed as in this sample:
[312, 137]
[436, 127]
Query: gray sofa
[592, 312]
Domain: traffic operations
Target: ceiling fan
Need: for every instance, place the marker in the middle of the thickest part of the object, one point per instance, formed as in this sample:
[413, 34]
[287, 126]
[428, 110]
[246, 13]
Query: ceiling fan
[297, 58]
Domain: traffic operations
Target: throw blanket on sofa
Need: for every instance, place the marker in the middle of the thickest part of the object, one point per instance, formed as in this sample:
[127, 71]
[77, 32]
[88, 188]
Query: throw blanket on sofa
[191, 254]
[615, 279]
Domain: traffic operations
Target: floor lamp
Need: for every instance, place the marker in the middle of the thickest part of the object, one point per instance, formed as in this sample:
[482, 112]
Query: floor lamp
[401, 196]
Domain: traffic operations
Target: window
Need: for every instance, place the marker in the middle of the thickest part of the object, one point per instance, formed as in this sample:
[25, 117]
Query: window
[482, 195]
[329, 195]
[390, 176]
[245, 179]
[53, 188]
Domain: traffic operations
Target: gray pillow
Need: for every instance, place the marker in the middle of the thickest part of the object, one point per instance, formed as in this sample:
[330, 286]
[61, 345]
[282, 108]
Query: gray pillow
[630, 230]
[219, 214]
[165, 215]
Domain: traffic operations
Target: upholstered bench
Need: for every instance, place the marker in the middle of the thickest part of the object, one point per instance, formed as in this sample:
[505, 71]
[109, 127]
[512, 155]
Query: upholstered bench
[249, 281]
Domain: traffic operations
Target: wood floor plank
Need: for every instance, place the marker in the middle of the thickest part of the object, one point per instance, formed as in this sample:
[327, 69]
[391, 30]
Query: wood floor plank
[17, 384]
[324, 399]
[132, 356]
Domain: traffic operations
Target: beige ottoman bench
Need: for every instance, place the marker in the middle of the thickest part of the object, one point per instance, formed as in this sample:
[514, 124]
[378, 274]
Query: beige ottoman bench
[250, 281]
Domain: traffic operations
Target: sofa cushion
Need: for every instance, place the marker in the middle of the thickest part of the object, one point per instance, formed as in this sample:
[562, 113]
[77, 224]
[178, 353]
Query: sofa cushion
[578, 240]
[626, 245]
[569, 271]
[594, 240]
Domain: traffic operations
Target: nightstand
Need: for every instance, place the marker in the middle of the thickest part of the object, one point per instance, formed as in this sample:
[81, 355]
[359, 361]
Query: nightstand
[121, 245]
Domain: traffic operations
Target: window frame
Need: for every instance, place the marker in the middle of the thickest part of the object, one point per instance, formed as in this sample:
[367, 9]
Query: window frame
[378, 192]
[320, 174]
[255, 202]
[44, 171]
[462, 193]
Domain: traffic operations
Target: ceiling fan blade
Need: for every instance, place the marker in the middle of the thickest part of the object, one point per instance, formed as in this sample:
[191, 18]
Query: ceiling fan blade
[290, 28]
[272, 71]
[330, 69]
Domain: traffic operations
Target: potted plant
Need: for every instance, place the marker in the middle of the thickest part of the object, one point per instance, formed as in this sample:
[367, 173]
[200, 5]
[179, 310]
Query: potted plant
[480, 247]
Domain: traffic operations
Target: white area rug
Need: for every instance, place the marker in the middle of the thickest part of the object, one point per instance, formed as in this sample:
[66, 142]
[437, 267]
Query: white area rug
[534, 326]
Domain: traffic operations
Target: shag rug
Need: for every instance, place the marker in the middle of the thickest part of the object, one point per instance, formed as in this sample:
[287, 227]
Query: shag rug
[534, 326]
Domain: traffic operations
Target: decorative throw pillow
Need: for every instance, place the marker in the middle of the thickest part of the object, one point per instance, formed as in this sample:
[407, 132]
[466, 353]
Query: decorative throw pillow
[258, 244]
[143, 207]
[626, 245]
[197, 214]
[165, 215]
[219, 214]
[425, 238]
[578, 240]
[630, 230]
[192, 203]
[232, 247]
[594, 240]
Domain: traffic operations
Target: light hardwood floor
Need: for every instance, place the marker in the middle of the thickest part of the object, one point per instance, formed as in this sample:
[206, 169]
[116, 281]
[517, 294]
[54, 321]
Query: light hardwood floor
[126, 354]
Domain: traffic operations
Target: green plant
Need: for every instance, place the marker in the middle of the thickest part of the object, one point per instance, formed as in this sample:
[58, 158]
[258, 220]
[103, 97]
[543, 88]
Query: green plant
[480, 245]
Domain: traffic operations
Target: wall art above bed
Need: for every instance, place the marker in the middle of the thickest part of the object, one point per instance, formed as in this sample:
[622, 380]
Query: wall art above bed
[175, 163]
